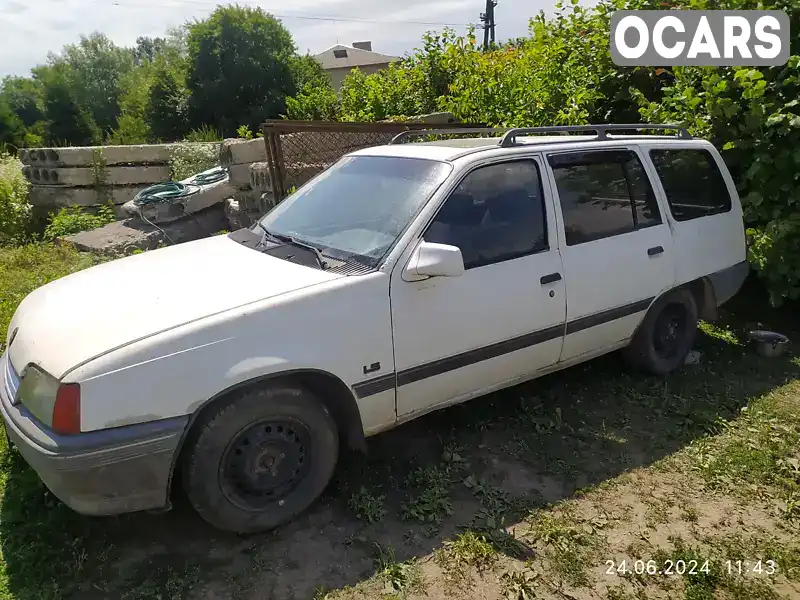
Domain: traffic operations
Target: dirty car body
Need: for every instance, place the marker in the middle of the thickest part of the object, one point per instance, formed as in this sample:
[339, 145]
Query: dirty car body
[403, 279]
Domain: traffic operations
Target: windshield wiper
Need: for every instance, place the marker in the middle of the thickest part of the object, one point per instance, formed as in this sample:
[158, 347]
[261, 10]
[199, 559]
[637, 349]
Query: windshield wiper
[287, 239]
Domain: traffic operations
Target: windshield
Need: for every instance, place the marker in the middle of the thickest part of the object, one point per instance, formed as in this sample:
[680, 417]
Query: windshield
[358, 208]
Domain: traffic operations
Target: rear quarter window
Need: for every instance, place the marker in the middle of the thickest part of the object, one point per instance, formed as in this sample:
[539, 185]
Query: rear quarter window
[692, 182]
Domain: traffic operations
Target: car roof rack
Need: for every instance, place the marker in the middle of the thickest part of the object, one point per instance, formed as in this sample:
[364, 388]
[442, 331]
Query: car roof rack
[601, 131]
[403, 136]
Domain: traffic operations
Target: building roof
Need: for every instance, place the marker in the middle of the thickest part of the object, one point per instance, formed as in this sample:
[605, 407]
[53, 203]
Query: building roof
[339, 56]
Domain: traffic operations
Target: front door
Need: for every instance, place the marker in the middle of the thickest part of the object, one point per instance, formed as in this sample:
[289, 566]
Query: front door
[502, 320]
[616, 246]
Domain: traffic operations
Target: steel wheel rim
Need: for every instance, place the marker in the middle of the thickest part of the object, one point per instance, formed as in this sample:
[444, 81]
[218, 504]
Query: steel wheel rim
[265, 462]
[669, 330]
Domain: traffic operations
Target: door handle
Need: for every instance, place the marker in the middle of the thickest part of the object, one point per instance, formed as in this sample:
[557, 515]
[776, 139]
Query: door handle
[655, 250]
[552, 278]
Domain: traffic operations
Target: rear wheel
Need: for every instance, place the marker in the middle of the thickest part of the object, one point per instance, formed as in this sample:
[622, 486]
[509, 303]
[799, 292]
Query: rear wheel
[261, 458]
[666, 334]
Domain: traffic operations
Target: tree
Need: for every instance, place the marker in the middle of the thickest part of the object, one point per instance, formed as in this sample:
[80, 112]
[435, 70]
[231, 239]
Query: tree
[24, 98]
[168, 102]
[306, 70]
[68, 121]
[21, 112]
[239, 68]
[94, 69]
[147, 49]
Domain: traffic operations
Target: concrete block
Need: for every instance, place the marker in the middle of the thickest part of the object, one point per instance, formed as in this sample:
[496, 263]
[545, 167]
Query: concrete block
[166, 212]
[123, 237]
[85, 176]
[239, 217]
[85, 156]
[56, 196]
[248, 200]
[268, 202]
[240, 152]
[240, 176]
[259, 177]
[439, 118]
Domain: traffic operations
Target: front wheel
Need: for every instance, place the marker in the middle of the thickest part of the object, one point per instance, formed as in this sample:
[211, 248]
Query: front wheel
[666, 334]
[261, 458]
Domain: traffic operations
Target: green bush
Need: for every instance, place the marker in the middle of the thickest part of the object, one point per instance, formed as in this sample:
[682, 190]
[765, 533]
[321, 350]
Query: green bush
[314, 102]
[15, 212]
[205, 133]
[753, 116]
[189, 159]
[411, 87]
[130, 130]
[72, 219]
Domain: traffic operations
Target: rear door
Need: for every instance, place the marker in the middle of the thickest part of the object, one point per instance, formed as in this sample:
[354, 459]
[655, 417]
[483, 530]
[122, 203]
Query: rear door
[616, 245]
[704, 211]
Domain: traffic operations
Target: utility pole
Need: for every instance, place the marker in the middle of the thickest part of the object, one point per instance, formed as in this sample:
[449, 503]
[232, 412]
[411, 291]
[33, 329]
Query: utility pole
[487, 18]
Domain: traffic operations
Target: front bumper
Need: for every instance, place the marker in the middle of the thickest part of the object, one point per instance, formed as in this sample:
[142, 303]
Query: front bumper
[106, 472]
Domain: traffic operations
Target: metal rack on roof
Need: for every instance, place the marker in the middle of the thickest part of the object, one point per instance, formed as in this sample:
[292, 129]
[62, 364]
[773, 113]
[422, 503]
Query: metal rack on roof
[510, 135]
[601, 131]
[403, 137]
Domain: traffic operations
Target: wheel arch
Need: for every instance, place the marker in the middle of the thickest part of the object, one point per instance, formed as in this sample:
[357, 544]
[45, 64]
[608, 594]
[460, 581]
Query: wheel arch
[703, 292]
[331, 390]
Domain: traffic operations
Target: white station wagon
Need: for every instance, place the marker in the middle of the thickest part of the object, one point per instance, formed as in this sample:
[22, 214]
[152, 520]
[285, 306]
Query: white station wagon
[401, 280]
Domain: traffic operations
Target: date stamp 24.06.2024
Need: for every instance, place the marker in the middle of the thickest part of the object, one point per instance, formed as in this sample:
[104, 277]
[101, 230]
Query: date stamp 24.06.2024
[679, 567]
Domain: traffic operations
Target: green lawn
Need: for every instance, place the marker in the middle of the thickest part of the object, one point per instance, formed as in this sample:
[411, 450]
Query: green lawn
[522, 494]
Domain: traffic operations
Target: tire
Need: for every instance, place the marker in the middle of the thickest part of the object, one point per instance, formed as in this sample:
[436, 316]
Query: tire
[261, 458]
[648, 350]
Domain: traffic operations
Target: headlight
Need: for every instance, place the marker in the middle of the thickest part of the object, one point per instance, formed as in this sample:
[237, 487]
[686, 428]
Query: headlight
[37, 391]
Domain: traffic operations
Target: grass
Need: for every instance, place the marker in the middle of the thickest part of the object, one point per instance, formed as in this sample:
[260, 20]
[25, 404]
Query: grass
[26, 268]
[398, 578]
[431, 504]
[523, 494]
[468, 551]
[366, 506]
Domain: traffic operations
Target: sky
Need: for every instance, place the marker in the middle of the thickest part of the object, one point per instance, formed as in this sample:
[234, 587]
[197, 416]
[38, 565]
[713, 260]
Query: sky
[29, 29]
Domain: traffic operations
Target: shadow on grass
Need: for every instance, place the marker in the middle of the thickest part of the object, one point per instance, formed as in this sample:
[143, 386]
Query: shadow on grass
[495, 458]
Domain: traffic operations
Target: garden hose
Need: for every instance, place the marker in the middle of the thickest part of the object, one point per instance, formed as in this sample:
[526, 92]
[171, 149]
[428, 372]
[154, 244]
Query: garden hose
[167, 192]
[210, 177]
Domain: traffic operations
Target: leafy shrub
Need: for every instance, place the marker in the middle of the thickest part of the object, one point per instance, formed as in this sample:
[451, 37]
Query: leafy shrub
[205, 133]
[753, 116]
[244, 132]
[15, 212]
[314, 102]
[72, 219]
[130, 130]
[412, 86]
[190, 159]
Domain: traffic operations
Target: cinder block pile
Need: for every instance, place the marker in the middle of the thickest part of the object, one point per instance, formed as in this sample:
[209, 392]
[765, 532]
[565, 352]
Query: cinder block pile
[93, 175]
[244, 160]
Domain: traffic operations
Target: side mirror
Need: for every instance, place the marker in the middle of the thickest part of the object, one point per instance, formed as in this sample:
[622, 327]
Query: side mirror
[434, 260]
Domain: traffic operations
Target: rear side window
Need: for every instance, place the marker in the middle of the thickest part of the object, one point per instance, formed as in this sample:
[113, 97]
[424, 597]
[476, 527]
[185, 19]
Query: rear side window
[692, 182]
[602, 194]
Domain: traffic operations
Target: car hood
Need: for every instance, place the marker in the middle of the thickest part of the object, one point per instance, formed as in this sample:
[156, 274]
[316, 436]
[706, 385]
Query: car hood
[79, 317]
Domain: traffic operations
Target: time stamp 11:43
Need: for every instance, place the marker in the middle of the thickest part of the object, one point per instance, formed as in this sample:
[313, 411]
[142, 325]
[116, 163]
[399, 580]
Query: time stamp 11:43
[690, 567]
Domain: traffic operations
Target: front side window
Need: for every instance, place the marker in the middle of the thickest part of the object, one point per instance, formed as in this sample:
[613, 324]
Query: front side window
[496, 213]
[603, 193]
[357, 209]
[692, 182]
